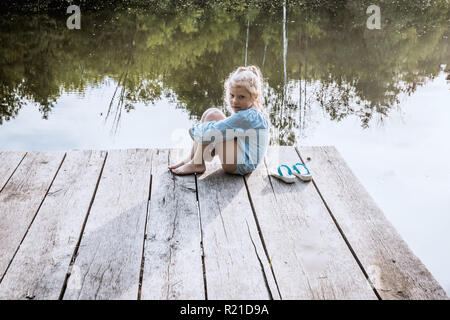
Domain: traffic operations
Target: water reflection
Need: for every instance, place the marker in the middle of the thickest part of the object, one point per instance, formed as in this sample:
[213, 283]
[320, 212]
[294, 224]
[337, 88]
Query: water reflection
[321, 56]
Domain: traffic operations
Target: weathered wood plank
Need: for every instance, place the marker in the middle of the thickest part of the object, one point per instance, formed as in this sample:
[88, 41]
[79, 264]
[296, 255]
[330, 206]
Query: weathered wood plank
[39, 268]
[236, 266]
[173, 257]
[394, 270]
[8, 163]
[21, 198]
[310, 259]
[109, 257]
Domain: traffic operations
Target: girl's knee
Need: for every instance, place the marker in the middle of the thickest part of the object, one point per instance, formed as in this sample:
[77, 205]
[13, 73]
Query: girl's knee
[208, 111]
[212, 114]
[212, 110]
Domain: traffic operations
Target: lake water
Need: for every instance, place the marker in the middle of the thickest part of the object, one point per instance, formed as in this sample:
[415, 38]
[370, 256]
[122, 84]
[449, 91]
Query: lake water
[130, 79]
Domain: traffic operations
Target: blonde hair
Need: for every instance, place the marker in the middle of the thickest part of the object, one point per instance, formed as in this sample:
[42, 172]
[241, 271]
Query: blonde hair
[252, 80]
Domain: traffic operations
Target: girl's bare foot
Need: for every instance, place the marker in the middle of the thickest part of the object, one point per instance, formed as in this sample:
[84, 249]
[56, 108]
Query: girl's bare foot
[189, 168]
[179, 164]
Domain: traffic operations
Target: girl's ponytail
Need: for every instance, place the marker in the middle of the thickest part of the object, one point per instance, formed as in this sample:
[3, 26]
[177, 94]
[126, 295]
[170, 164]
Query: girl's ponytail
[257, 72]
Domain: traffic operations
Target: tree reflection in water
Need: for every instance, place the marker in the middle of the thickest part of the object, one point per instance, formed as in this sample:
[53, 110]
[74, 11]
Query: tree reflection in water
[320, 56]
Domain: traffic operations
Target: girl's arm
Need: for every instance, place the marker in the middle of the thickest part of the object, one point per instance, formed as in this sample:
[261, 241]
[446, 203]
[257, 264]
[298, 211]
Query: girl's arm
[218, 131]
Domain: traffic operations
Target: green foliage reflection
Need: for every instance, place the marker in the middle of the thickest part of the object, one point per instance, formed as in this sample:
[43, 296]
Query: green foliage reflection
[333, 61]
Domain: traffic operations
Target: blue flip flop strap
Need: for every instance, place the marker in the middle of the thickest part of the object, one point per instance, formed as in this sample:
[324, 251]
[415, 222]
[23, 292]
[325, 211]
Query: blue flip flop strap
[295, 167]
[281, 173]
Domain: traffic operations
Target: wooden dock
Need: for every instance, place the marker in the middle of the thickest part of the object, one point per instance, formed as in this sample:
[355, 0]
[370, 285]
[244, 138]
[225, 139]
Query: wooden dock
[118, 225]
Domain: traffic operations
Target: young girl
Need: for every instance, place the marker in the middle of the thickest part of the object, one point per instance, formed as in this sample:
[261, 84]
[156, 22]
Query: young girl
[241, 140]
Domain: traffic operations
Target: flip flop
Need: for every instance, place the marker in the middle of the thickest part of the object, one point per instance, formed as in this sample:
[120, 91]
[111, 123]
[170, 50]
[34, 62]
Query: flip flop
[302, 172]
[288, 178]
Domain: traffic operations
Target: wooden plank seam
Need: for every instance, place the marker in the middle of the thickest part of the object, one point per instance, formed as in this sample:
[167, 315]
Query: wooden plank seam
[342, 233]
[201, 239]
[75, 252]
[34, 216]
[262, 241]
[9, 178]
[260, 262]
[141, 274]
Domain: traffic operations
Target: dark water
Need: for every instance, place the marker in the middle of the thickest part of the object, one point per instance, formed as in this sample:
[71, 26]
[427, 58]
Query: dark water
[185, 56]
[131, 78]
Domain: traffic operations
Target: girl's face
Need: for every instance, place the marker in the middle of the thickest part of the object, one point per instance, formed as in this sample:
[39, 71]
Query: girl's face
[240, 99]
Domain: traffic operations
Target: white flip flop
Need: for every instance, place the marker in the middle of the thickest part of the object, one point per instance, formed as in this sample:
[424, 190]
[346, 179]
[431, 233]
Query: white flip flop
[302, 172]
[277, 173]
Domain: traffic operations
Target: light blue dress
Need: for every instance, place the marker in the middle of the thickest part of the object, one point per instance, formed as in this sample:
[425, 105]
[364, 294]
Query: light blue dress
[251, 129]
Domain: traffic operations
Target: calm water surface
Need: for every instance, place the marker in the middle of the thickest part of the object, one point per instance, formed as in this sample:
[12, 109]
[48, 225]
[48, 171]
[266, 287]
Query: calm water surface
[132, 79]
